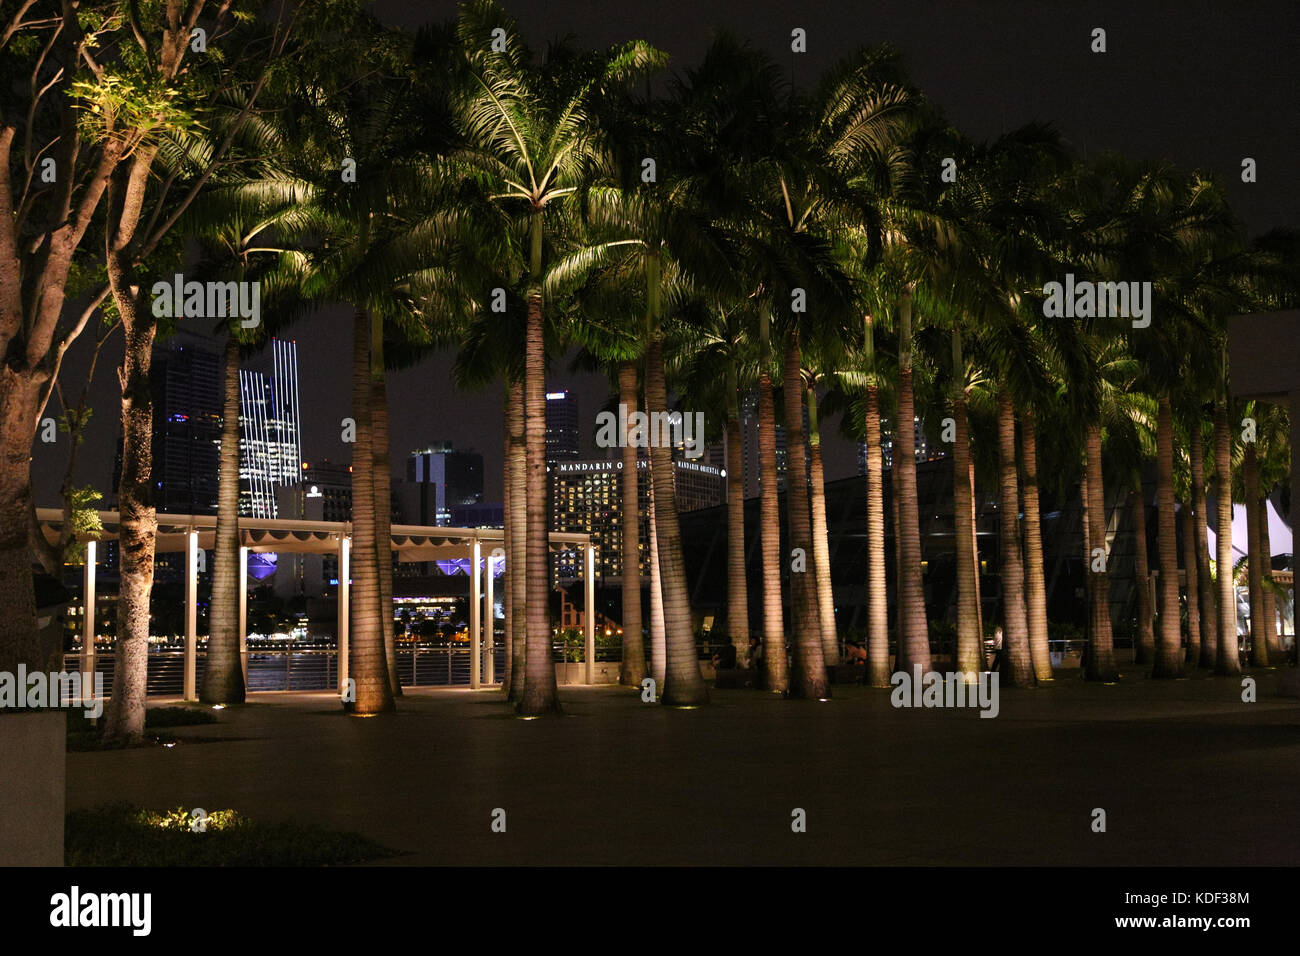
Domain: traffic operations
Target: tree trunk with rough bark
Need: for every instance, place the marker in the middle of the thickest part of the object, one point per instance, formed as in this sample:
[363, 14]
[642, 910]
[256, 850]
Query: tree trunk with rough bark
[383, 478]
[913, 627]
[1100, 663]
[1259, 648]
[774, 658]
[970, 643]
[138, 530]
[1205, 581]
[633, 668]
[1169, 656]
[507, 580]
[1019, 670]
[1228, 657]
[1266, 580]
[878, 673]
[658, 637]
[821, 537]
[1035, 585]
[367, 661]
[809, 679]
[1193, 597]
[1145, 652]
[517, 559]
[737, 583]
[223, 677]
[539, 696]
[683, 683]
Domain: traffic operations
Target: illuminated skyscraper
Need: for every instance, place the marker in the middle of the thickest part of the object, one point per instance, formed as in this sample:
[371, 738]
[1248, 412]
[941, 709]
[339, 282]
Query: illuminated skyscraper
[563, 433]
[270, 445]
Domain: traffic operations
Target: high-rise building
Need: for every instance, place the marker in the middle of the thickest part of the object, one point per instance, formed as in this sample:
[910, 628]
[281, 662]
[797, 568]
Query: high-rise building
[270, 446]
[925, 451]
[587, 496]
[186, 381]
[749, 449]
[563, 431]
[438, 479]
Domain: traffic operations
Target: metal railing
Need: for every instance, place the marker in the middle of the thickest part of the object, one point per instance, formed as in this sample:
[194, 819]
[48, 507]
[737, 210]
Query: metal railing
[281, 669]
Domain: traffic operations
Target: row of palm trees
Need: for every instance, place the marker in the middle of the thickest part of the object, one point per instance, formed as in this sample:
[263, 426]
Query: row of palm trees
[839, 249]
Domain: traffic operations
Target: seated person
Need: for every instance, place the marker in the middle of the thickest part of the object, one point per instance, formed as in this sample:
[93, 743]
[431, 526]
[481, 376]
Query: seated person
[855, 654]
[724, 658]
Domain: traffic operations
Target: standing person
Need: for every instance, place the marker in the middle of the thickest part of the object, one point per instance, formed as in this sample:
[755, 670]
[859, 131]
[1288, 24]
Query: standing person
[754, 662]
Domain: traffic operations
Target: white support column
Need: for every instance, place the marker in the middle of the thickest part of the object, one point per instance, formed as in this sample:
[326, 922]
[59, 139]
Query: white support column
[589, 589]
[191, 614]
[341, 639]
[243, 613]
[88, 624]
[489, 619]
[475, 607]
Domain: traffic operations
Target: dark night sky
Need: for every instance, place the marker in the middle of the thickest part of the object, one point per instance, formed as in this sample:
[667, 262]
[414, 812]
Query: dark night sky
[1201, 83]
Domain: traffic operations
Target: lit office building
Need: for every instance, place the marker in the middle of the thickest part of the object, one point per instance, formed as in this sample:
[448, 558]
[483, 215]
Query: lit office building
[440, 479]
[270, 446]
[925, 450]
[563, 431]
[587, 496]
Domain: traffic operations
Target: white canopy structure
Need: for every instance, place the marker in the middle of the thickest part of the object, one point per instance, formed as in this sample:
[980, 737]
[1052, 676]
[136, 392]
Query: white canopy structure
[194, 533]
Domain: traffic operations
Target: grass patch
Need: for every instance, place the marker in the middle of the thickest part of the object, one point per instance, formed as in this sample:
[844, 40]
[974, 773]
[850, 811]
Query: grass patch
[124, 835]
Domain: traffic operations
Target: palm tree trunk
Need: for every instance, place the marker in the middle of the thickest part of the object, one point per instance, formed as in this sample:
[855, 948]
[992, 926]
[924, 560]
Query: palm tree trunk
[1254, 559]
[1205, 583]
[1100, 665]
[683, 683]
[138, 529]
[1228, 658]
[539, 696]
[1015, 638]
[877, 587]
[821, 537]
[1193, 596]
[809, 680]
[1169, 657]
[658, 637]
[367, 660]
[517, 558]
[1145, 651]
[737, 584]
[913, 628]
[969, 640]
[778, 678]
[1266, 579]
[632, 670]
[975, 555]
[223, 677]
[383, 479]
[507, 581]
[1035, 586]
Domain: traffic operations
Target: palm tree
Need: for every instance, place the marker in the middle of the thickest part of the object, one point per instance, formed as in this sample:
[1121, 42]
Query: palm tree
[531, 140]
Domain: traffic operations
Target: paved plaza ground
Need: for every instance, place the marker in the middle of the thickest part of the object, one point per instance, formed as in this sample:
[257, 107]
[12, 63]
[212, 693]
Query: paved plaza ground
[1187, 773]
